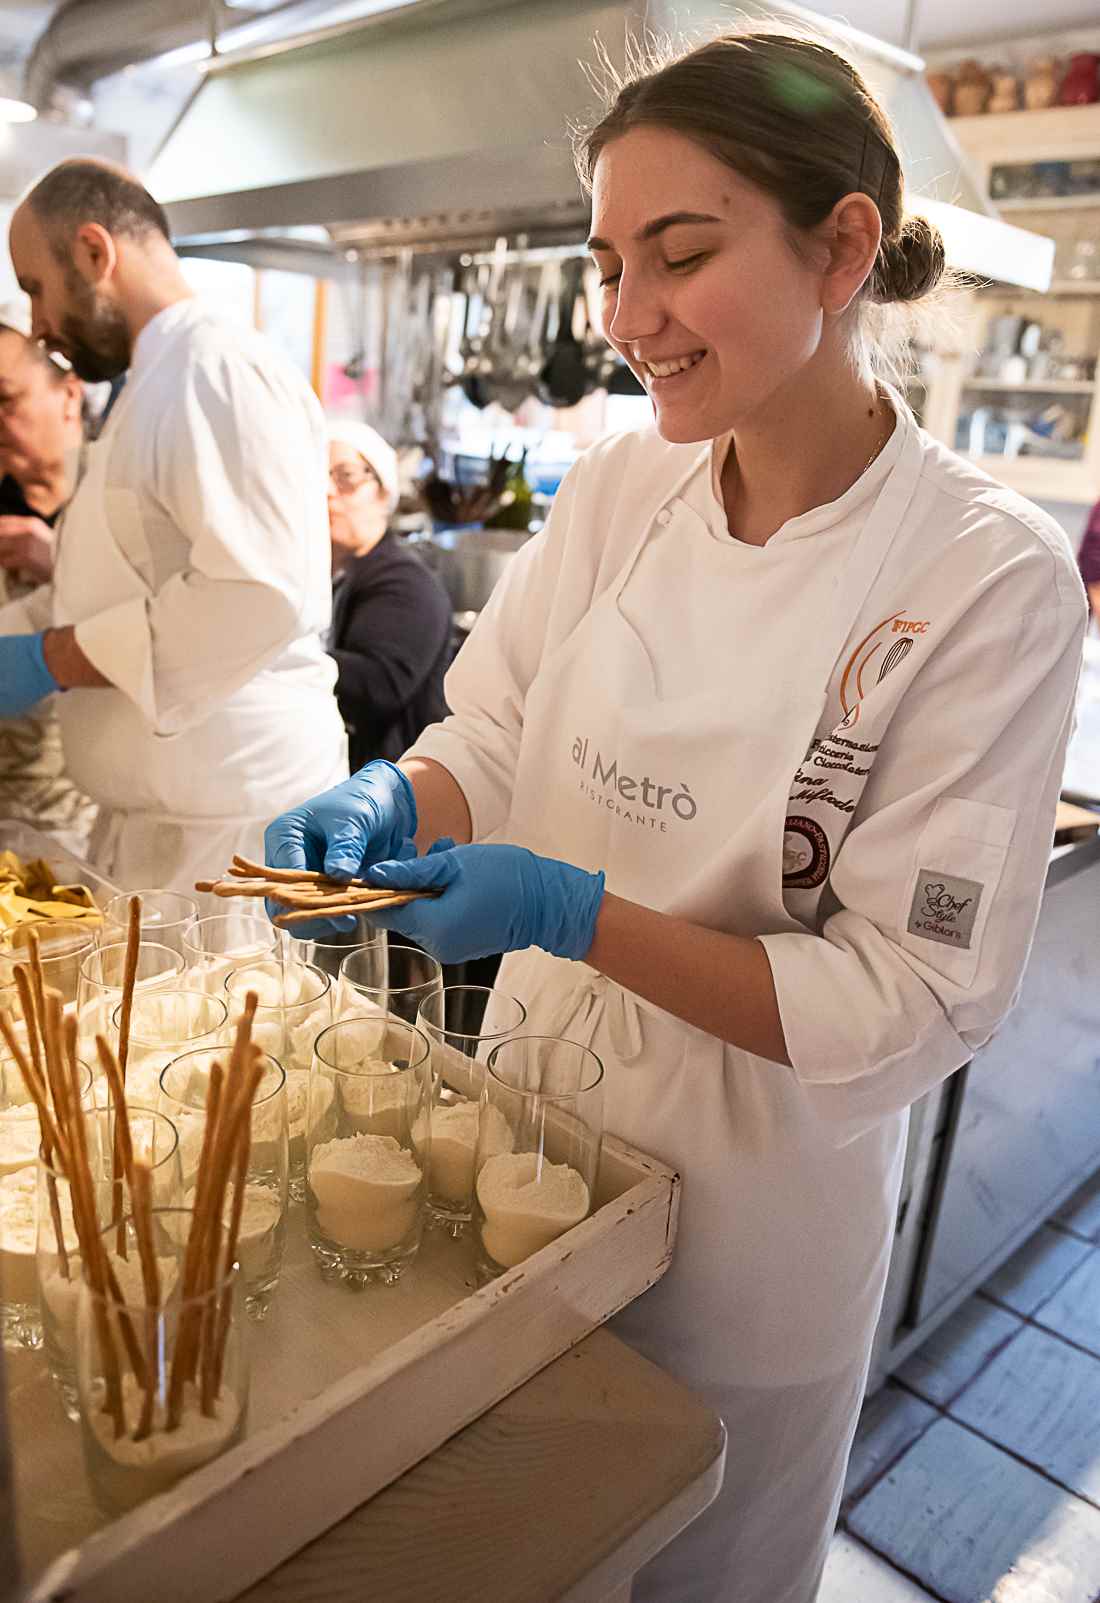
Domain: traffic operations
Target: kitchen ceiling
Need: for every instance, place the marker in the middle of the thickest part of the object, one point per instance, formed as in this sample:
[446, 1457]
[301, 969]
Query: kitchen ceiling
[941, 24]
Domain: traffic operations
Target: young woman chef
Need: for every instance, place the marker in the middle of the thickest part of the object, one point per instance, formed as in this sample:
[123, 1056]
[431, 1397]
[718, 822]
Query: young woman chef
[766, 729]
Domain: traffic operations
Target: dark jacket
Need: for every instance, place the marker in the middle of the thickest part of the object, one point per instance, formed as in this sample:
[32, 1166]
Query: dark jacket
[391, 637]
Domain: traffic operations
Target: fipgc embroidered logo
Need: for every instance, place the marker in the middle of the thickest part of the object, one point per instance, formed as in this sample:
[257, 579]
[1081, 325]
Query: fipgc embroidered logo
[944, 908]
[878, 654]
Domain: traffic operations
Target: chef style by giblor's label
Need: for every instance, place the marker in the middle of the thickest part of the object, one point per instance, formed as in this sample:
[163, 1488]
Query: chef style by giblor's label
[637, 799]
[944, 908]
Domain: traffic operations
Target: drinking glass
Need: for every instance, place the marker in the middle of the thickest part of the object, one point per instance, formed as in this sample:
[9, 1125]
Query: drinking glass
[387, 978]
[99, 989]
[62, 947]
[156, 1144]
[166, 917]
[163, 1024]
[20, 1319]
[217, 945]
[198, 1341]
[262, 1232]
[295, 1006]
[368, 1145]
[458, 1052]
[331, 952]
[538, 1147]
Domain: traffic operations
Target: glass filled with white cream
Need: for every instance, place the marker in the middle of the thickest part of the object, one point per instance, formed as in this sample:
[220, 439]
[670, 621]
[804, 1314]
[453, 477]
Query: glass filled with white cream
[295, 1005]
[216, 945]
[166, 917]
[368, 1148]
[20, 1143]
[538, 1148]
[463, 1023]
[329, 954]
[261, 1226]
[387, 978]
[99, 987]
[63, 944]
[163, 1024]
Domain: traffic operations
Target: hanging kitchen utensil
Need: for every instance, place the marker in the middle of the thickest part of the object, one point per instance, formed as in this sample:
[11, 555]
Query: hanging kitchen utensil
[621, 381]
[479, 364]
[564, 377]
[528, 362]
[508, 387]
[602, 361]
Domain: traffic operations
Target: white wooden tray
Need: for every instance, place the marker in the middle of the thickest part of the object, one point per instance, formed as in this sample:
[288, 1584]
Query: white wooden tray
[349, 1391]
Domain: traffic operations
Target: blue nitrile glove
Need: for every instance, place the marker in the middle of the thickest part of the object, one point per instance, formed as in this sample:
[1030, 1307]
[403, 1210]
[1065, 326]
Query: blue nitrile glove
[363, 820]
[495, 899]
[24, 677]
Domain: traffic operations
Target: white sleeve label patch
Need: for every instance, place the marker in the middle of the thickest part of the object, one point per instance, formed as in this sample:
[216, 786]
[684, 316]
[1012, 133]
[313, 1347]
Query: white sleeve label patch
[944, 908]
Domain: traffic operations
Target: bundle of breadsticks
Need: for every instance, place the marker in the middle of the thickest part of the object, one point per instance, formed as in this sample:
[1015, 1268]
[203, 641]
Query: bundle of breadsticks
[47, 1061]
[51, 1071]
[307, 894]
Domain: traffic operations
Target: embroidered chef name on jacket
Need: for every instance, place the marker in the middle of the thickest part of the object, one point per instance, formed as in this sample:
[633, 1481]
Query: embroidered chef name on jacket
[636, 800]
[822, 769]
[944, 908]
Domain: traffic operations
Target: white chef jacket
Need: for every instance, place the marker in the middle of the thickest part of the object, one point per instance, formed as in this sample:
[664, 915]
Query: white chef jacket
[847, 743]
[194, 563]
[928, 785]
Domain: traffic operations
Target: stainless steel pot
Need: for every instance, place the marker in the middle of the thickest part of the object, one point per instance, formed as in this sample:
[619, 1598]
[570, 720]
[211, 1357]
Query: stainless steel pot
[470, 561]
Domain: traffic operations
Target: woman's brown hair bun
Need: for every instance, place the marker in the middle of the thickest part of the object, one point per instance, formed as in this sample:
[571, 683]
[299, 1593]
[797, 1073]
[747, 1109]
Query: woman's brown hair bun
[909, 265]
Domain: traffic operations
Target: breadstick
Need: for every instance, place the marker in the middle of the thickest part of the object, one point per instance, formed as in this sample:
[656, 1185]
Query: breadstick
[240, 1146]
[124, 1144]
[186, 1334]
[32, 1077]
[141, 1203]
[96, 1265]
[290, 876]
[338, 910]
[129, 976]
[237, 1092]
[51, 1141]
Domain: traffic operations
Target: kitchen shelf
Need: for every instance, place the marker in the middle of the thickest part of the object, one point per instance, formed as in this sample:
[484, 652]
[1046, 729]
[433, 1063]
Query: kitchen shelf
[1053, 386]
[1071, 305]
[1049, 203]
[1043, 478]
[1064, 288]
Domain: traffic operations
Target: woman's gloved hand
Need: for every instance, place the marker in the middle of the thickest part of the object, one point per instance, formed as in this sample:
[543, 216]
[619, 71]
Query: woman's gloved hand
[24, 677]
[363, 820]
[495, 899]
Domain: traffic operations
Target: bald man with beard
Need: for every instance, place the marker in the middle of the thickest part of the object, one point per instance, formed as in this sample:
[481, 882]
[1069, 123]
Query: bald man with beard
[191, 584]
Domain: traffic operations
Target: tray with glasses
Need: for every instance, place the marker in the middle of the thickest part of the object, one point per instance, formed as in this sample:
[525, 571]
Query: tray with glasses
[331, 1210]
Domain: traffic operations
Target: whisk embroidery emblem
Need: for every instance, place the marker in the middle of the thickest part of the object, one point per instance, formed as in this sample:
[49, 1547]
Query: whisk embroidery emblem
[878, 654]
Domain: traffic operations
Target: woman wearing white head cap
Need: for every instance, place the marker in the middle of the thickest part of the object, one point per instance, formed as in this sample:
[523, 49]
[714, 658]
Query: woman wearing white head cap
[391, 618]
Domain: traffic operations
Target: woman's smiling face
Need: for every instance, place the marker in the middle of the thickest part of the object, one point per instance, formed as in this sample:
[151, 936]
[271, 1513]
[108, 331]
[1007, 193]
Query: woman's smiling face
[704, 295]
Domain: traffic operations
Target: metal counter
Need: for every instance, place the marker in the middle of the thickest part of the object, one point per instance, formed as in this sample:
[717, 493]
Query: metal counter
[999, 1147]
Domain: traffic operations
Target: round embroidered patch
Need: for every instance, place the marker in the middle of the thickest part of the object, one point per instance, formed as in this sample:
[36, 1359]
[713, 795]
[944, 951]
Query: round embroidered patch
[806, 855]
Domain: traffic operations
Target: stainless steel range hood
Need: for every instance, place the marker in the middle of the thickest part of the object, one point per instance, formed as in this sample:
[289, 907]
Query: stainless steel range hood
[447, 120]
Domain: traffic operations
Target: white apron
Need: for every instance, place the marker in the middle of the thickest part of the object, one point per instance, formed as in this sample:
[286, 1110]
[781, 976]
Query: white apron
[174, 808]
[770, 1305]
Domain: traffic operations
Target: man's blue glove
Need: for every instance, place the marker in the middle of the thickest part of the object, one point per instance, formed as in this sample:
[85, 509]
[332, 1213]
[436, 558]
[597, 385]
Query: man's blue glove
[24, 677]
[361, 821]
[495, 899]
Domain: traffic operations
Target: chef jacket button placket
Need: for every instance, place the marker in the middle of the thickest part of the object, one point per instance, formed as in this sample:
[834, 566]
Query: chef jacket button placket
[664, 517]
